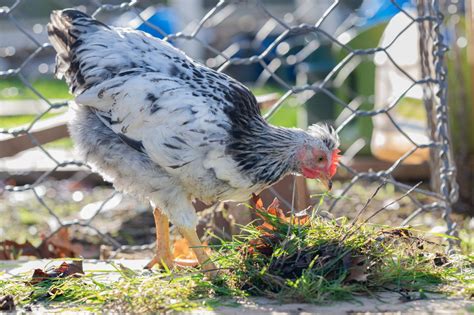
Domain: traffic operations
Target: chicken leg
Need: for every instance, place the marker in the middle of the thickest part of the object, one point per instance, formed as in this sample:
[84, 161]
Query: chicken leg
[163, 254]
[193, 240]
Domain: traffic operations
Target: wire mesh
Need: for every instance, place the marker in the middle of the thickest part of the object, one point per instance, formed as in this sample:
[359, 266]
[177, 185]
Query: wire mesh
[283, 26]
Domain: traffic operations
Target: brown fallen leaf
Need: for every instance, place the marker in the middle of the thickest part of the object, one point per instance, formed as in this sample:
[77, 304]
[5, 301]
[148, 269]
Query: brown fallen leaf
[60, 245]
[57, 246]
[64, 270]
[10, 250]
[263, 244]
[300, 218]
[358, 270]
[7, 304]
[275, 210]
[257, 201]
[400, 232]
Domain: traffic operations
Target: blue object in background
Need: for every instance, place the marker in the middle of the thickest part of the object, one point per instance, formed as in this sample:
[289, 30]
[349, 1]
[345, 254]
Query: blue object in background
[374, 12]
[163, 18]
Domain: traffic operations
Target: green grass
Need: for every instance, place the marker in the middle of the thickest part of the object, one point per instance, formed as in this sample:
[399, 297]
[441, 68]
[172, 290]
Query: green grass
[311, 263]
[7, 122]
[134, 291]
[64, 143]
[319, 261]
[287, 114]
[14, 89]
[411, 108]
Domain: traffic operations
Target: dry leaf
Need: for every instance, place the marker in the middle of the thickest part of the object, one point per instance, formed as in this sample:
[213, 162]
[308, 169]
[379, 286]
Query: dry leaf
[358, 269]
[64, 270]
[257, 201]
[60, 245]
[401, 232]
[300, 218]
[274, 209]
[7, 304]
[264, 243]
[57, 246]
[11, 250]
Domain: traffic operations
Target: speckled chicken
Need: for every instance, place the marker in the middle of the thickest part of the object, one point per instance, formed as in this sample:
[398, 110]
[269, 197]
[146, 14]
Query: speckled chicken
[166, 129]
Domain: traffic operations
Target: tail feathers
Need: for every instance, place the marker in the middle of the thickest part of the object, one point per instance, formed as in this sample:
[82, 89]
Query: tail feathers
[65, 28]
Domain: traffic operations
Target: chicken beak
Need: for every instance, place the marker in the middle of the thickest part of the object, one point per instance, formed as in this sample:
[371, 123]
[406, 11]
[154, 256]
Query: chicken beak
[327, 182]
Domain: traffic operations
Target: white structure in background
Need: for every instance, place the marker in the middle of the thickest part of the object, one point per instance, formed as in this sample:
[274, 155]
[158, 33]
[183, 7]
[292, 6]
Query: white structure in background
[390, 84]
[310, 11]
[189, 15]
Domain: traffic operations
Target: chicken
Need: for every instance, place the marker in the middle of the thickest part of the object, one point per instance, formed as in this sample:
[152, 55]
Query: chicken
[167, 130]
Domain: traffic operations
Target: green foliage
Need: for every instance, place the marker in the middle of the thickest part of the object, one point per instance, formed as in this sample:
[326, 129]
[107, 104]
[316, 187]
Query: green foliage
[15, 89]
[329, 252]
[7, 122]
[460, 98]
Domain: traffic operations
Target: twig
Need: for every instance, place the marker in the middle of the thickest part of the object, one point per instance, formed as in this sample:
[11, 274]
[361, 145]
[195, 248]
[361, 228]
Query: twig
[391, 203]
[351, 231]
[367, 203]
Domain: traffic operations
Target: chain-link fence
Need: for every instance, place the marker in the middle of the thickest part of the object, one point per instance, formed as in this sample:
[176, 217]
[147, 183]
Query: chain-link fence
[312, 52]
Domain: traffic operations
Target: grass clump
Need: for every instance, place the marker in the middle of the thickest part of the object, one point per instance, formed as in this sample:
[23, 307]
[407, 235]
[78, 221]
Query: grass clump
[122, 289]
[325, 260]
[300, 258]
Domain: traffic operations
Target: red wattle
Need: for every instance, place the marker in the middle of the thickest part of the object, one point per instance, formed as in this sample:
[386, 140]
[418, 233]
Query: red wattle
[334, 162]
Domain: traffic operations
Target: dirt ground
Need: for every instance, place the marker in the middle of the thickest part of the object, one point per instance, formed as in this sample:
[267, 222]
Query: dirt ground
[383, 303]
[387, 303]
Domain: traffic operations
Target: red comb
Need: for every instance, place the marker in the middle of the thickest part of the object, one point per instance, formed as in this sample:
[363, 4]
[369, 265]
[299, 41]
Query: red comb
[334, 162]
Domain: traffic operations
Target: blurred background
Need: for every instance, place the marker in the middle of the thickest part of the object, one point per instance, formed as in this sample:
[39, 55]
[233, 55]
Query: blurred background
[364, 66]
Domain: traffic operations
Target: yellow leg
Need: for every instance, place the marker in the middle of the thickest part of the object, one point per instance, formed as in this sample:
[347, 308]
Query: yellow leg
[191, 236]
[163, 254]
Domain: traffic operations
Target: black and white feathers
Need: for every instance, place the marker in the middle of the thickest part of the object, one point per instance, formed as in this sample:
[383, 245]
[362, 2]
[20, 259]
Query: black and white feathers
[161, 126]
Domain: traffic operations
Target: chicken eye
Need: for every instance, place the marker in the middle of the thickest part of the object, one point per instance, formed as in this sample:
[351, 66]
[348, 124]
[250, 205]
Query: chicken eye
[320, 159]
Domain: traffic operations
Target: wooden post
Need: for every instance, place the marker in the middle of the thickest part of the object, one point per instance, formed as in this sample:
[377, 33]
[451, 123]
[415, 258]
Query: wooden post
[470, 47]
[467, 185]
[43, 131]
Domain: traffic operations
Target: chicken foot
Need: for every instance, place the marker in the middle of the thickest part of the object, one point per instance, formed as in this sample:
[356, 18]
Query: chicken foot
[193, 240]
[163, 255]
